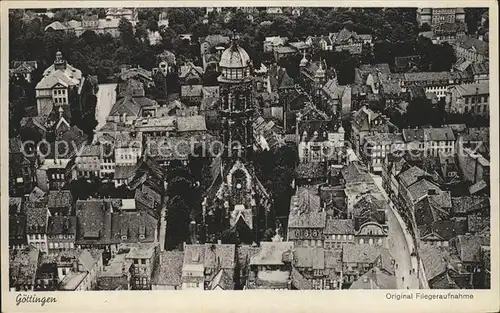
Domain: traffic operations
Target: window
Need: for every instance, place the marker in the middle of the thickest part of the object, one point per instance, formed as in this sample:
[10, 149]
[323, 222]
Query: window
[466, 100]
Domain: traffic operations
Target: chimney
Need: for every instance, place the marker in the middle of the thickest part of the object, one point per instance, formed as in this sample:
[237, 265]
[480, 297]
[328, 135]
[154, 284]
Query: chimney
[219, 242]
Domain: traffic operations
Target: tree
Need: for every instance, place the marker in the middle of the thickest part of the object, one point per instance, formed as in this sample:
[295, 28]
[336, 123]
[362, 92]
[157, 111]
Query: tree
[239, 22]
[83, 188]
[424, 28]
[178, 220]
[126, 32]
[444, 58]
[418, 112]
[152, 24]
[434, 57]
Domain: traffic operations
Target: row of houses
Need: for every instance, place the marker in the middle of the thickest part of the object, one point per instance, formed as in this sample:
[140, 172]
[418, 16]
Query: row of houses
[276, 265]
[108, 25]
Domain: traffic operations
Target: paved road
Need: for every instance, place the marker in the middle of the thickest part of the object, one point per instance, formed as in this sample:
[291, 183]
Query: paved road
[106, 97]
[398, 246]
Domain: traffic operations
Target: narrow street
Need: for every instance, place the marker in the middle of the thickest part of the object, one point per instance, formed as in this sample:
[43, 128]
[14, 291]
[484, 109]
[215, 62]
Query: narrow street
[106, 97]
[398, 246]
[163, 226]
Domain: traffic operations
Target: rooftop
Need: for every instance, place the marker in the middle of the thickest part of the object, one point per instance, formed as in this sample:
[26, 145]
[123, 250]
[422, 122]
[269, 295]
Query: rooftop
[309, 257]
[60, 199]
[479, 46]
[271, 253]
[72, 280]
[169, 270]
[375, 279]
[361, 253]
[473, 89]
[339, 227]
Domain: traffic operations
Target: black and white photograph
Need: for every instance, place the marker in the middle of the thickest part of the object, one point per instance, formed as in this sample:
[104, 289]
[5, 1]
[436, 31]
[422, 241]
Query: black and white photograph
[248, 148]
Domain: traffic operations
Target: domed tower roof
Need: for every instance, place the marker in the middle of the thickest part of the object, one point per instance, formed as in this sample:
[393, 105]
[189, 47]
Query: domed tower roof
[234, 63]
[234, 57]
[320, 72]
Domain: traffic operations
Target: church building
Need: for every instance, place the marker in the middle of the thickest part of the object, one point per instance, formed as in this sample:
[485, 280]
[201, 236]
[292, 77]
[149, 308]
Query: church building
[236, 206]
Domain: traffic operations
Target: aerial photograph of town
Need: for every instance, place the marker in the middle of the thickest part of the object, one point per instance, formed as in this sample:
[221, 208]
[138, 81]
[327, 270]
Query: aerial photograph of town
[239, 148]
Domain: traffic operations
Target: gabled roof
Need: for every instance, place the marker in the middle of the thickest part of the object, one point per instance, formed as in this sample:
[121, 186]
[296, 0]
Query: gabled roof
[311, 170]
[355, 173]
[55, 26]
[426, 76]
[271, 253]
[137, 226]
[375, 278]
[56, 78]
[223, 280]
[343, 36]
[445, 230]
[59, 225]
[25, 67]
[135, 72]
[309, 257]
[36, 220]
[279, 78]
[469, 204]
[481, 47]
[473, 89]
[311, 112]
[468, 247]
[435, 260]
[305, 211]
[339, 227]
[126, 105]
[188, 68]
[421, 189]
[361, 253]
[219, 255]
[169, 270]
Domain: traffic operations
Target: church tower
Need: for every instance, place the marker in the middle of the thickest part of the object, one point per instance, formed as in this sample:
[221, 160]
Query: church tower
[236, 102]
[319, 82]
[236, 205]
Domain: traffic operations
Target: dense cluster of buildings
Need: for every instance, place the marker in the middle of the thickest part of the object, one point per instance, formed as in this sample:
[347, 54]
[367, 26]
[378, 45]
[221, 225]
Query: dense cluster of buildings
[355, 168]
